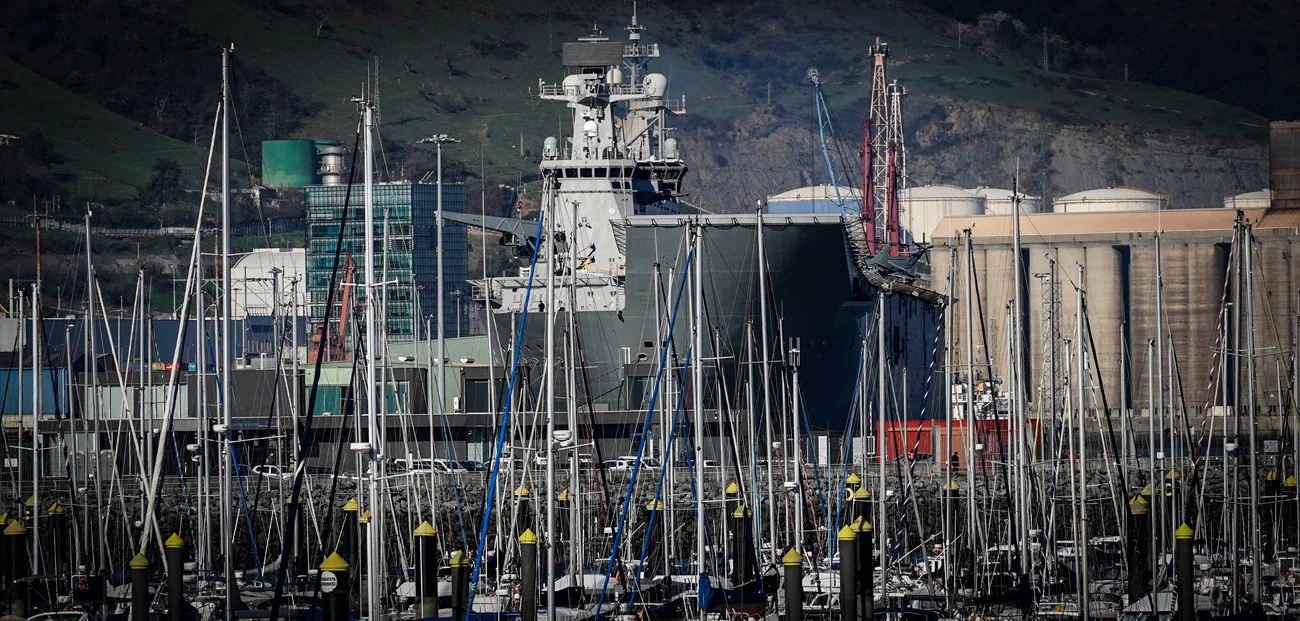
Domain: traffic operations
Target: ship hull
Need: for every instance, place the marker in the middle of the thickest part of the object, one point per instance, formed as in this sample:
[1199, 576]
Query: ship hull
[815, 299]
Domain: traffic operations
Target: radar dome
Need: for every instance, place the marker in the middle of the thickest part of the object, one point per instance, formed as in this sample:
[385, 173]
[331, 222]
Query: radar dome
[656, 84]
[573, 82]
[670, 149]
[615, 76]
[549, 147]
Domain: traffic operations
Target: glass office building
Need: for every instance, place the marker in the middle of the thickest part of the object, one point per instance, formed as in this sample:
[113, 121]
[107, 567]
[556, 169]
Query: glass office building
[409, 211]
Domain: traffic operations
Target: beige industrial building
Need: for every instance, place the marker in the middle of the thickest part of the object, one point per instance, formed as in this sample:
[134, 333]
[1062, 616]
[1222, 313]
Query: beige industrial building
[1112, 234]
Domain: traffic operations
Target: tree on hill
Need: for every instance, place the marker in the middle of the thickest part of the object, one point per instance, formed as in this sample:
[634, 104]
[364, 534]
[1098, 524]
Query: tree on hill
[164, 186]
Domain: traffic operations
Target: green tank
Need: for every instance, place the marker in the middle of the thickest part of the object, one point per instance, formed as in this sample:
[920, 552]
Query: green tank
[289, 163]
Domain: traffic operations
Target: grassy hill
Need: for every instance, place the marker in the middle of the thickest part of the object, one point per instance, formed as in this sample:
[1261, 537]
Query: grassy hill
[103, 154]
[468, 69]
[114, 89]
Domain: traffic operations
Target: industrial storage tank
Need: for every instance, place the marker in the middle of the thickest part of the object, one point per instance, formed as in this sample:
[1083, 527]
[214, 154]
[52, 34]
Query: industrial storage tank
[816, 199]
[333, 165]
[288, 163]
[997, 201]
[922, 207]
[1109, 199]
[1259, 199]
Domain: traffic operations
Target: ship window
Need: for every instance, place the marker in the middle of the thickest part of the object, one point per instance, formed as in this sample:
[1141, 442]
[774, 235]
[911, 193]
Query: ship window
[570, 173]
[601, 172]
[586, 172]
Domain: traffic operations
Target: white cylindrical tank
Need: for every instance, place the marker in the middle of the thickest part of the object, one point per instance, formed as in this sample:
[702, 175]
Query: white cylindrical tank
[997, 201]
[922, 207]
[1109, 199]
[1259, 199]
[816, 199]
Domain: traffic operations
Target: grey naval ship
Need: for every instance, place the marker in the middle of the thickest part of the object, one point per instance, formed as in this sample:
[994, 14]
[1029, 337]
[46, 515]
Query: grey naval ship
[770, 284]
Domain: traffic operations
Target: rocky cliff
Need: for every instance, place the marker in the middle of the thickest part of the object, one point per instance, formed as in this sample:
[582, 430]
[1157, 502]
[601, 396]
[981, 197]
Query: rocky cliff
[974, 143]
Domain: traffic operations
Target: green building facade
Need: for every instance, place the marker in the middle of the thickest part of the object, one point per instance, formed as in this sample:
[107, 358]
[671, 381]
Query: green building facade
[410, 210]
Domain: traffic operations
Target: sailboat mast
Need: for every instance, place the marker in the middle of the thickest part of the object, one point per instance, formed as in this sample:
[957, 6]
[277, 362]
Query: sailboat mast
[697, 388]
[797, 443]
[1082, 545]
[227, 479]
[37, 399]
[1160, 507]
[1151, 461]
[92, 403]
[1017, 389]
[571, 391]
[1255, 550]
[200, 366]
[948, 525]
[374, 433]
[549, 440]
[970, 391]
[880, 529]
[767, 391]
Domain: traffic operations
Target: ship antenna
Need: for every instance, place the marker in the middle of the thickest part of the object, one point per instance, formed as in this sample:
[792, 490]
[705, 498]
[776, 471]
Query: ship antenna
[635, 29]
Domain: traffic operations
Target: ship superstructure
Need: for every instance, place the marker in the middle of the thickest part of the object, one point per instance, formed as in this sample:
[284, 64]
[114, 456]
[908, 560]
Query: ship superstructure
[611, 190]
[618, 160]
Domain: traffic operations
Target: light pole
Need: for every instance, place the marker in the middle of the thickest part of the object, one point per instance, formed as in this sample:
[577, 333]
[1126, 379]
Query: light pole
[439, 140]
[458, 294]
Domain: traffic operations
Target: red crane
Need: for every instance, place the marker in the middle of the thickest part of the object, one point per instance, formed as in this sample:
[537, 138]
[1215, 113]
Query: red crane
[334, 348]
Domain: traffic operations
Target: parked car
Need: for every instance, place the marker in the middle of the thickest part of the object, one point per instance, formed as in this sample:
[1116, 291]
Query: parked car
[272, 472]
[619, 465]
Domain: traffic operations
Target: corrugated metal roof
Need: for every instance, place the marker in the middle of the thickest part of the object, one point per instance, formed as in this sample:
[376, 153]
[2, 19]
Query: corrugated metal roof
[1044, 224]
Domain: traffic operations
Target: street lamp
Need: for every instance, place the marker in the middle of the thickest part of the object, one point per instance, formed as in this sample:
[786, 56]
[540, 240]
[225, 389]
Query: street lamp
[439, 140]
[458, 294]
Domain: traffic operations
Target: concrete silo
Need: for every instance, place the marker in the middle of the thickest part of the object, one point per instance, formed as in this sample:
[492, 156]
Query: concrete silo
[1104, 291]
[1142, 315]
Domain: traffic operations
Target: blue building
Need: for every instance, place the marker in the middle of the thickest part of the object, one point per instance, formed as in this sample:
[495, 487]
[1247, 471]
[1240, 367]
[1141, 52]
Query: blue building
[409, 210]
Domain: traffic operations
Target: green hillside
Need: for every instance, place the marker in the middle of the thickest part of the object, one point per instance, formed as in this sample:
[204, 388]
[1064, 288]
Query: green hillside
[468, 69]
[103, 154]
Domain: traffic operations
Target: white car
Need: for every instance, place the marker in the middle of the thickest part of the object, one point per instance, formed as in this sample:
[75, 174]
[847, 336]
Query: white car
[272, 472]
